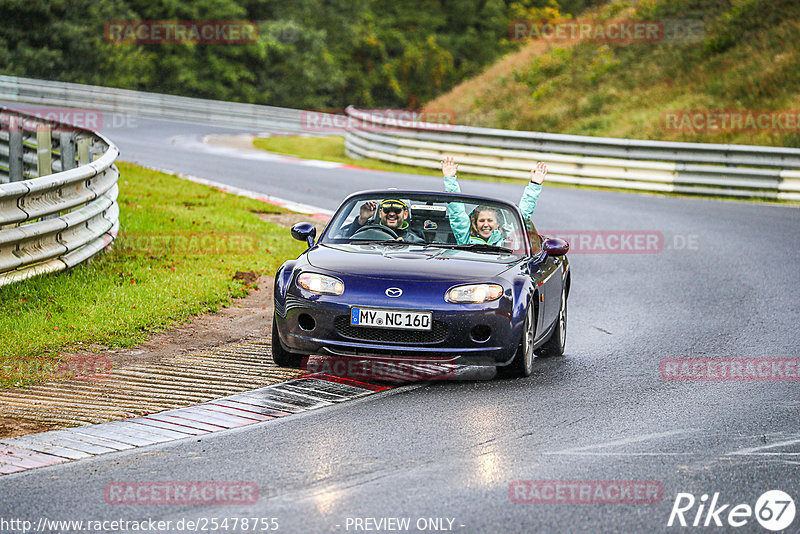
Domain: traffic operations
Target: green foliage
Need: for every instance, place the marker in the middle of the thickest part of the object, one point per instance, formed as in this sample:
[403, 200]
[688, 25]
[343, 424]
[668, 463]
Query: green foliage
[743, 19]
[544, 69]
[63, 39]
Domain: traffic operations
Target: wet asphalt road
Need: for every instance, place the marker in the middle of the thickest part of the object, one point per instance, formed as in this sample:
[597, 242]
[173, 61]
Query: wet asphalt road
[725, 284]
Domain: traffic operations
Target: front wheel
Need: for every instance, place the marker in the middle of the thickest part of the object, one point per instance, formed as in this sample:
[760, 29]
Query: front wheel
[558, 339]
[522, 364]
[281, 356]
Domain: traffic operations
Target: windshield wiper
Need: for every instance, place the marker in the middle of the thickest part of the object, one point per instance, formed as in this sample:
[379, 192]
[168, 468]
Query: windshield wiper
[383, 242]
[474, 247]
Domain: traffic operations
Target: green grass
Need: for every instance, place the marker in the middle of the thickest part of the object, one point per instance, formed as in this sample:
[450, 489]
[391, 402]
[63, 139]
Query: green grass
[180, 245]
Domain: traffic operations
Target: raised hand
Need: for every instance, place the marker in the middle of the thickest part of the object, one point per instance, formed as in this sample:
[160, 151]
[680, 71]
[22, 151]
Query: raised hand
[367, 211]
[449, 166]
[539, 172]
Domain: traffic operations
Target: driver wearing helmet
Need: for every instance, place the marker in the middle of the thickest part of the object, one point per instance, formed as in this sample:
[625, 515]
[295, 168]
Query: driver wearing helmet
[484, 222]
[393, 214]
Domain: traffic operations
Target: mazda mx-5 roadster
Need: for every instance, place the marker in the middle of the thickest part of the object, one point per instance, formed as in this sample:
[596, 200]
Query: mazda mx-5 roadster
[411, 275]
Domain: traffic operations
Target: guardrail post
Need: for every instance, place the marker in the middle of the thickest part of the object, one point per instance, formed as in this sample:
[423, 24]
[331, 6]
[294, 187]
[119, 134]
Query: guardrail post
[83, 151]
[66, 142]
[44, 150]
[15, 149]
[95, 151]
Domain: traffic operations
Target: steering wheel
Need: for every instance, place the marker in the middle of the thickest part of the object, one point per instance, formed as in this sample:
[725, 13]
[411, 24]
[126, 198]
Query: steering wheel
[377, 228]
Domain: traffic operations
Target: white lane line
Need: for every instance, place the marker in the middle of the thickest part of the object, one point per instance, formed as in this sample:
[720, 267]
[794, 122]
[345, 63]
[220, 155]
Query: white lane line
[625, 441]
[314, 211]
[569, 453]
[765, 453]
[754, 450]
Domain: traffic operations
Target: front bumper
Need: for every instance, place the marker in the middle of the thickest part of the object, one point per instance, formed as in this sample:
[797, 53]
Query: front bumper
[467, 334]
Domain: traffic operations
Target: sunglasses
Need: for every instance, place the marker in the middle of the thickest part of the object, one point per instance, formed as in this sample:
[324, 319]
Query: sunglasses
[392, 209]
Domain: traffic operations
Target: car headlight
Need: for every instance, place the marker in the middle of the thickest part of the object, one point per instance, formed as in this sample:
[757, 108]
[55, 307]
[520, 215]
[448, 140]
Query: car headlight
[474, 293]
[319, 283]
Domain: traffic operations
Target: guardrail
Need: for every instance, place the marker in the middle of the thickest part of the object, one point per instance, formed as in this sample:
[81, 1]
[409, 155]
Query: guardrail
[689, 168]
[693, 168]
[57, 195]
[96, 98]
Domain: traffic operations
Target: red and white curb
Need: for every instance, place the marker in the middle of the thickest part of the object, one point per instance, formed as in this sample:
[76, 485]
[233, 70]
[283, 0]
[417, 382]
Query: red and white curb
[207, 146]
[281, 400]
[310, 392]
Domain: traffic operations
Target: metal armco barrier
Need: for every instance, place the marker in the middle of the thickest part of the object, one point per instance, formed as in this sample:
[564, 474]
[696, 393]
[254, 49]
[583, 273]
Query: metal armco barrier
[693, 168]
[106, 99]
[58, 192]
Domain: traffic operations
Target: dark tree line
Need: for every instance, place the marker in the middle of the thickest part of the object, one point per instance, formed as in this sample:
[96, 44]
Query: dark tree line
[309, 53]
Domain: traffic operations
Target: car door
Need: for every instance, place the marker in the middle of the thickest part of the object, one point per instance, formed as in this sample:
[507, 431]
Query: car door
[547, 273]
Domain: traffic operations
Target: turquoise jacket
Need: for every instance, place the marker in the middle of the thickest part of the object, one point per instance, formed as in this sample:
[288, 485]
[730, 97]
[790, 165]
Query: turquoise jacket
[459, 220]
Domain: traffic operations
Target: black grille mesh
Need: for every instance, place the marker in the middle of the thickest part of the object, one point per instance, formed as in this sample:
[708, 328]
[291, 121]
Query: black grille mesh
[367, 333]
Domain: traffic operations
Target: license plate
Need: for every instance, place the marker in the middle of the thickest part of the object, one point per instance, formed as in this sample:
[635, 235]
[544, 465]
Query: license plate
[382, 318]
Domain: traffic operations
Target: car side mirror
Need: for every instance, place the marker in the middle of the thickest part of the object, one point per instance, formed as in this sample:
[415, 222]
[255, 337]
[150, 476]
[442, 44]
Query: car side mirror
[304, 231]
[555, 246]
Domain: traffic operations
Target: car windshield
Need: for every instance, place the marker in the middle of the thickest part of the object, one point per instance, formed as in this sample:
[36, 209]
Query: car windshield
[429, 219]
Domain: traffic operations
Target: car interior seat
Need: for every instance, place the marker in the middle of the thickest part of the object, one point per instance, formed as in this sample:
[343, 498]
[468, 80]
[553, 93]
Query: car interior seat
[432, 223]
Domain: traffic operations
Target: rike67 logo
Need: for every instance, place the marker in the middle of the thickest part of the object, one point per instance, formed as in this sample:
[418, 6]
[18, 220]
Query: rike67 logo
[774, 510]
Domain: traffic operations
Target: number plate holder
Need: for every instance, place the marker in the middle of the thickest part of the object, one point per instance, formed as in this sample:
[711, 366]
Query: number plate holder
[390, 318]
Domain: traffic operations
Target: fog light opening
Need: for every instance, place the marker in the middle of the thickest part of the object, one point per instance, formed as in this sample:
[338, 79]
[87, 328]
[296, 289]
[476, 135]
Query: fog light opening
[306, 322]
[481, 333]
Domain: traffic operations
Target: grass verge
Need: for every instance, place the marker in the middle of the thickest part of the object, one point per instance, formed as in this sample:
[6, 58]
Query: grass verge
[332, 149]
[718, 60]
[179, 248]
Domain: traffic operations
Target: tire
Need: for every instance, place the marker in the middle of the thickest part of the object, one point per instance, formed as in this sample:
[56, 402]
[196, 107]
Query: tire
[281, 356]
[522, 364]
[558, 339]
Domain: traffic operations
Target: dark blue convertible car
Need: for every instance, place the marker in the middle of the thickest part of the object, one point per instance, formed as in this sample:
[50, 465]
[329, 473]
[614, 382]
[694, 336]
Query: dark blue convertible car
[421, 288]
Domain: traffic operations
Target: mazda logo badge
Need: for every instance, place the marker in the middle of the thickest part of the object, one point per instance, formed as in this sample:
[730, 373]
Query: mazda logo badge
[394, 292]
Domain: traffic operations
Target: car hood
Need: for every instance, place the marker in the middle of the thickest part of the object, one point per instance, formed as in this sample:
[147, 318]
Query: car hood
[408, 262]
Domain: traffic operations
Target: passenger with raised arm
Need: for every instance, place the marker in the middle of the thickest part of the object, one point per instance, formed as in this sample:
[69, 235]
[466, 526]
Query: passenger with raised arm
[483, 224]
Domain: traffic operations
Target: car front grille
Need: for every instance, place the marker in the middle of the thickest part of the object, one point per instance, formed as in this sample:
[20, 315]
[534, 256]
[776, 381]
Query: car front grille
[367, 333]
